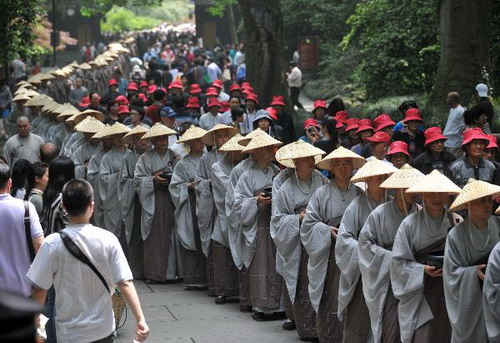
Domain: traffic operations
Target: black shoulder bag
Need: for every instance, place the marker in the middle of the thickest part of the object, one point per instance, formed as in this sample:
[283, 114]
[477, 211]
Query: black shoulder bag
[79, 255]
[27, 230]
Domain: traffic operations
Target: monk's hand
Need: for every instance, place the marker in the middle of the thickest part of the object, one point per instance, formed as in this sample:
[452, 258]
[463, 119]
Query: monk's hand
[191, 185]
[262, 199]
[479, 270]
[335, 231]
[302, 215]
[432, 271]
[159, 180]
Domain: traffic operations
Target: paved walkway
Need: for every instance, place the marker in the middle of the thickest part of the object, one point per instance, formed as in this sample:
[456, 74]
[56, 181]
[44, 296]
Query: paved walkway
[176, 315]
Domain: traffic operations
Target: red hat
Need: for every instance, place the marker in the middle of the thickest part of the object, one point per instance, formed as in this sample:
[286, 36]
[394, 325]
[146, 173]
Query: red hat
[310, 122]
[433, 134]
[398, 146]
[247, 91]
[234, 87]
[213, 102]
[121, 100]
[412, 114]
[85, 102]
[252, 97]
[245, 85]
[217, 83]
[163, 89]
[492, 142]
[212, 92]
[151, 89]
[352, 124]
[176, 84]
[341, 116]
[382, 121]
[471, 134]
[193, 102]
[112, 82]
[143, 84]
[123, 109]
[195, 89]
[224, 106]
[319, 103]
[272, 113]
[143, 97]
[380, 137]
[365, 124]
[278, 100]
[132, 86]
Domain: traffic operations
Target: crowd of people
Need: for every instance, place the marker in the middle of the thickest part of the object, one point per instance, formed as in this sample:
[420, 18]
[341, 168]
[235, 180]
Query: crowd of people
[357, 230]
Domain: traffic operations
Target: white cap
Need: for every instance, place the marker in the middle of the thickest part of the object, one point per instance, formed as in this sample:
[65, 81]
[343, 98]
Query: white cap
[482, 90]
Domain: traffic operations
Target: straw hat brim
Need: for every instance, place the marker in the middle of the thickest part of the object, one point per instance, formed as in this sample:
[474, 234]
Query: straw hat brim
[261, 141]
[209, 137]
[474, 190]
[341, 153]
[299, 149]
[373, 168]
[435, 182]
[89, 125]
[137, 131]
[403, 178]
[20, 97]
[158, 130]
[246, 139]
[92, 113]
[232, 144]
[191, 134]
[116, 129]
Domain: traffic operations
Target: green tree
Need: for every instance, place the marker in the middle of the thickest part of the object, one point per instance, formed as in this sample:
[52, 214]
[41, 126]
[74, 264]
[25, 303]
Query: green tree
[120, 19]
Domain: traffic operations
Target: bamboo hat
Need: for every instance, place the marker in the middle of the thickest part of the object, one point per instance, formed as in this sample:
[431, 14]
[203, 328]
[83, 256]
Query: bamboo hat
[341, 153]
[21, 90]
[50, 107]
[84, 66]
[31, 93]
[299, 149]
[24, 83]
[38, 100]
[372, 168]
[192, 133]
[68, 111]
[158, 130]
[47, 76]
[262, 140]
[89, 113]
[474, 190]
[209, 137]
[35, 78]
[115, 129]
[20, 97]
[89, 125]
[403, 178]
[139, 131]
[245, 140]
[232, 144]
[434, 182]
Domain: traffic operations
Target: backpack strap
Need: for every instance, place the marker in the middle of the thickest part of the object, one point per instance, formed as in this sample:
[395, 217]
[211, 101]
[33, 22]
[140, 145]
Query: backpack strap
[27, 230]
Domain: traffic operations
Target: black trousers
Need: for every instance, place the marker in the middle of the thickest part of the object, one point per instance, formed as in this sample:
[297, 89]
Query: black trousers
[294, 96]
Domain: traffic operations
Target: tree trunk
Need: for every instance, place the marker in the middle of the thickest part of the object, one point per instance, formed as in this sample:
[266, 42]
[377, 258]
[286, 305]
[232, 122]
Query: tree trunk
[464, 49]
[232, 24]
[263, 27]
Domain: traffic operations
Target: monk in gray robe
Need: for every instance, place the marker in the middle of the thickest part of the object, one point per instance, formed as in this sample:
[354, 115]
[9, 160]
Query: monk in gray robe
[351, 302]
[466, 253]
[416, 274]
[183, 195]
[289, 210]
[253, 205]
[152, 176]
[92, 177]
[491, 295]
[129, 200]
[318, 235]
[83, 154]
[374, 248]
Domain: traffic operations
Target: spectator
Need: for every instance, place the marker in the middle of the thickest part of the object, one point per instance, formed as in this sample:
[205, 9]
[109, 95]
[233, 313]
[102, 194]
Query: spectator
[89, 316]
[454, 125]
[213, 70]
[484, 103]
[435, 156]
[311, 131]
[15, 256]
[330, 139]
[335, 105]
[20, 172]
[476, 117]
[284, 119]
[5, 105]
[76, 95]
[294, 79]
[319, 110]
[398, 154]
[18, 69]
[153, 111]
[411, 134]
[379, 143]
[37, 182]
[24, 144]
[48, 151]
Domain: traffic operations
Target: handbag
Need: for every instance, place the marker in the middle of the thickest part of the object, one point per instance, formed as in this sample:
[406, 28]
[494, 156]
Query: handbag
[27, 230]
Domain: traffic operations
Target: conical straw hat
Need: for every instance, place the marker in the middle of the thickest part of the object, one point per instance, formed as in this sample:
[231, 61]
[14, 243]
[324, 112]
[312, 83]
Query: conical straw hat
[69, 111]
[22, 82]
[341, 153]
[403, 178]
[209, 137]
[47, 76]
[245, 140]
[261, 141]
[89, 125]
[474, 190]
[72, 119]
[139, 131]
[159, 130]
[116, 129]
[191, 134]
[38, 100]
[299, 149]
[372, 168]
[31, 93]
[21, 97]
[102, 132]
[89, 113]
[434, 182]
[36, 78]
[50, 107]
[59, 109]
[232, 144]
[21, 90]
[84, 66]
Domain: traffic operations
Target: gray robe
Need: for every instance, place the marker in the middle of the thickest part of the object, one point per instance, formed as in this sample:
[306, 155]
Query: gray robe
[462, 287]
[109, 174]
[416, 233]
[220, 179]
[82, 156]
[92, 177]
[71, 139]
[491, 295]
[374, 253]
[126, 191]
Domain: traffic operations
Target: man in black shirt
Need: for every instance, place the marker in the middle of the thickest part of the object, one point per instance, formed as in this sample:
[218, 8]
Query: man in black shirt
[434, 156]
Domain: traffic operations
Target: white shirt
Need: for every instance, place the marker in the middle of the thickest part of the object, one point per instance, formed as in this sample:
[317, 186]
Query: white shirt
[213, 71]
[84, 307]
[208, 121]
[295, 78]
[454, 127]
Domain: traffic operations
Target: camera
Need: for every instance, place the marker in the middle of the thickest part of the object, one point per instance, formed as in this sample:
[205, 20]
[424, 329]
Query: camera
[268, 192]
[166, 175]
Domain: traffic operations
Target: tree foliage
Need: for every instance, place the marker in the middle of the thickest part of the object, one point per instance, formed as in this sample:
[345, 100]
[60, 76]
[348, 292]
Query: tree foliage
[171, 11]
[93, 7]
[398, 45]
[120, 19]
